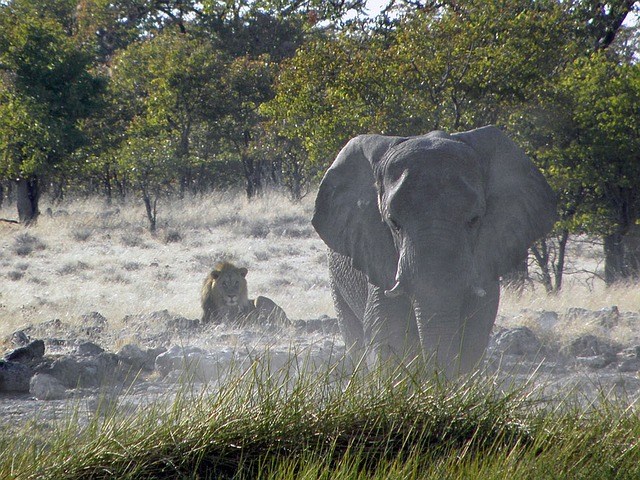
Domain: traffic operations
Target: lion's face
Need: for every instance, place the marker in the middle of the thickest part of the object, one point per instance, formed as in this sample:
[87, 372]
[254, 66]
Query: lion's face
[231, 285]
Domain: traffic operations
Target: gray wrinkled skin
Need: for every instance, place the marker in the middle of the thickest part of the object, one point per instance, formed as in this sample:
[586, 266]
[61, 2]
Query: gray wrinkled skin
[420, 229]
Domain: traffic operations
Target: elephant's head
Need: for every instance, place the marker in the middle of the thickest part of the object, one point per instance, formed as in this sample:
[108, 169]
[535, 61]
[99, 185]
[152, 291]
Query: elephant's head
[437, 218]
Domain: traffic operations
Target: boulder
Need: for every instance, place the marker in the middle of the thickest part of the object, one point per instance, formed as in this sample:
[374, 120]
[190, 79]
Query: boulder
[74, 371]
[93, 323]
[629, 365]
[89, 349]
[547, 320]
[14, 377]
[140, 359]
[27, 354]
[590, 346]
[20, 338]
[47, 387]
[520, 341]
[595, 362]
[194, 364]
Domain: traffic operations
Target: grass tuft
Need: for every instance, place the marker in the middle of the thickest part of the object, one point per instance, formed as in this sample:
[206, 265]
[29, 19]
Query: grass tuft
[276, 425]
[25, 244]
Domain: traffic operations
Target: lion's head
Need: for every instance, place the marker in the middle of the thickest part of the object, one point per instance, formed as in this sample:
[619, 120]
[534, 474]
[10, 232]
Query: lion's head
[224, 292]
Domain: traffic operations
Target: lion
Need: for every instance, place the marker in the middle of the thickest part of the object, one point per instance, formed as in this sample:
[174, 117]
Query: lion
[225, 298]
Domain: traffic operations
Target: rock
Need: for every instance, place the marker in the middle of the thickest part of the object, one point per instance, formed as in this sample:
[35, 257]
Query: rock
[93, 323]
[20, 338]
[605, 317]
[89, 349]
[176, 357]
[608, 317]
[547, 320]
[519, 341]
[629, 353]
[578, 313]
[137, 358]
[194, 364]
[33, 351]
[590, 346]
[46, 387]
[94, 319]
[324, 324]
[595, 362]
[14, 377]
[74, 372]
[629, 365]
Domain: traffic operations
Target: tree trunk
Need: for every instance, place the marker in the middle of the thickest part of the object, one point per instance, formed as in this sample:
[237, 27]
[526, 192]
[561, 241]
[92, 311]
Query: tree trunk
[559, 267]
[541, 254]
[614, 268]
[28, 195]
[252, 175]
[631, 242]
[152, 212]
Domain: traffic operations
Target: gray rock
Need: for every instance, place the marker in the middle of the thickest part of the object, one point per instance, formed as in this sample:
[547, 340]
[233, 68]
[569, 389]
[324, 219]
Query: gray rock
[47, 387]
[135, 357]
[20, 338]
[629, 353]
[547, 320]
[74, 372]
[608, 317]
[519, 341]
[324, 324]
[590, 346]
[194, 364]
[33, 351]
[14, 377]
[94, 319]
[93, 324]
[595, 362]
[89, 349]
[605, 317]
[629, 365]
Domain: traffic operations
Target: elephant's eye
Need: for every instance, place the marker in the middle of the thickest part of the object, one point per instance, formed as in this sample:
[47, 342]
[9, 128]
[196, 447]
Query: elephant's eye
[474, 222]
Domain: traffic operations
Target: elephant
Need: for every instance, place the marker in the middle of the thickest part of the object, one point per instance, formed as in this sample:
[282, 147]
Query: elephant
[420, 229]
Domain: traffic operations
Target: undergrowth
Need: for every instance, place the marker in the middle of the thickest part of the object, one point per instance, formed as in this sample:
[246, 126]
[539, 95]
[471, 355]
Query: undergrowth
[320, 427]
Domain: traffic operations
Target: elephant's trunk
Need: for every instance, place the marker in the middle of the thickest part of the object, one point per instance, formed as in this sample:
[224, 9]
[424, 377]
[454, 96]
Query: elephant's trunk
[440, 331]
[439, 276]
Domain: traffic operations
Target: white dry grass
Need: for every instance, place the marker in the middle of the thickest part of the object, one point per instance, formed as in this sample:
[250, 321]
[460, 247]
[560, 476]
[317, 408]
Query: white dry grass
[86, 256]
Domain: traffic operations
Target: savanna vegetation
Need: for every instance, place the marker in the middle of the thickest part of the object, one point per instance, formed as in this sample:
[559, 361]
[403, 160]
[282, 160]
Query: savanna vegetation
[268, 426]
[153, 99]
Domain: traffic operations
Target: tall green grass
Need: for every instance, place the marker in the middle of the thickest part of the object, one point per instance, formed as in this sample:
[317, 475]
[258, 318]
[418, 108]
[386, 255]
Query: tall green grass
[321, 426]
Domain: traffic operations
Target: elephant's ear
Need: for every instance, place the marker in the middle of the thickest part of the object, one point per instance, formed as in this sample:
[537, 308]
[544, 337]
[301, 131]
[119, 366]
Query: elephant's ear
[346, 213]
[520, 205]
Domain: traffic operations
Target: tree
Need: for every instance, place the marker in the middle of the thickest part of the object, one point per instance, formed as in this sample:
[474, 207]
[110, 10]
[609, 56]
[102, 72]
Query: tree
[166, 91]
[448, 67]
[46, 90]
[586, 135]
[605, 100]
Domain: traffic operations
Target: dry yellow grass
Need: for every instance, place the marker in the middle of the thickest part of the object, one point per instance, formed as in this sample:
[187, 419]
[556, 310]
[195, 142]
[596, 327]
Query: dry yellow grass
[86, 256]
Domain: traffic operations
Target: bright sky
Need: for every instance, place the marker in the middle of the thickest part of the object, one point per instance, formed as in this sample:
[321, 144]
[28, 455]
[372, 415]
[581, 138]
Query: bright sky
[374, 6]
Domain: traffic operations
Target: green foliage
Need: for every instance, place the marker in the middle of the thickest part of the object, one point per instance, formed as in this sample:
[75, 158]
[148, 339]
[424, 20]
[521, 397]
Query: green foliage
[46, 88]
[586, 132]
[449, 68]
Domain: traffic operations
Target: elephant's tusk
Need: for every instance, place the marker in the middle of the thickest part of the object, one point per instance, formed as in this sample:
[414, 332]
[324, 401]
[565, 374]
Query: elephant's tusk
[396, 291]
[480, 292]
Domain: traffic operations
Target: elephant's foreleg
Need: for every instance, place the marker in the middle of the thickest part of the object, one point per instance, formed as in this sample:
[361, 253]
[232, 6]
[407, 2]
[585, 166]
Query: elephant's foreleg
[350, 325]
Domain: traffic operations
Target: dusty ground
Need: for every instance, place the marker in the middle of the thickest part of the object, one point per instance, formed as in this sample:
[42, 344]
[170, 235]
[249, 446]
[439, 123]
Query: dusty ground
[85, 257]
